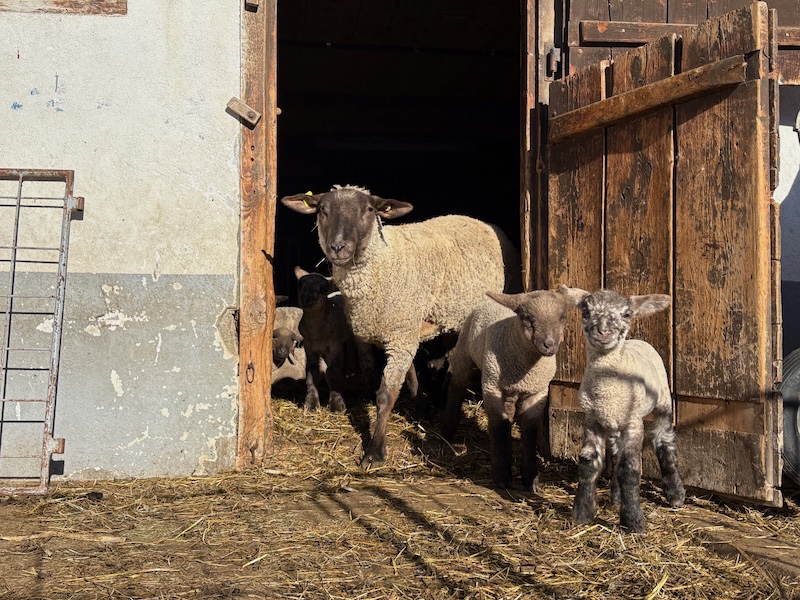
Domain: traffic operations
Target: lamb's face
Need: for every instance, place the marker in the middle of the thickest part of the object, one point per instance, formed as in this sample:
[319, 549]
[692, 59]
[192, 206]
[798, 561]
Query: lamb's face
[606, 320]
[346, 218]
[607, 316]
[542, 316]
[284, 341]
[313, 288]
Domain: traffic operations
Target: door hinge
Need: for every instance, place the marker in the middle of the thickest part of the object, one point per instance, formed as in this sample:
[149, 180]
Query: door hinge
[553, 60]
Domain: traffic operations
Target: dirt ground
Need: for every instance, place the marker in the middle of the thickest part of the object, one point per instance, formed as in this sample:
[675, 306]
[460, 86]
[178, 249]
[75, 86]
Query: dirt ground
[310, 524]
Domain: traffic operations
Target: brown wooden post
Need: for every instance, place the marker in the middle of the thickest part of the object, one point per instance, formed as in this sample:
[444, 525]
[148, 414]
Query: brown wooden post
[258, 197]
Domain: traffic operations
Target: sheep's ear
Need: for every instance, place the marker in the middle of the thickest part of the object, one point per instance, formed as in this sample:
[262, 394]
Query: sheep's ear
[280, 298]
[298, 272]
[306, 204]
[647, 305]
[575, 295]
[390, 209]
[511, 301]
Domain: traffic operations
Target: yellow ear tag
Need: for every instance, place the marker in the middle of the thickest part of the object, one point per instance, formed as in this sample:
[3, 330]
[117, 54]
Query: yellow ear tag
[388, 208]
[308, 193]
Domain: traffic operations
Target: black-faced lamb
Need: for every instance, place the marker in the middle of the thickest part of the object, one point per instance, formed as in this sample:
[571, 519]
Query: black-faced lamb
[407, 283]
[512, 339]
[624, 381]
[328, 340]
[288, 355]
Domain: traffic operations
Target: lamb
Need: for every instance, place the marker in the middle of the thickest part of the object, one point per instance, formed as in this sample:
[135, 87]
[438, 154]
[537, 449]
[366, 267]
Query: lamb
[624, 381]
[288, 355]
[513, 340]
[407, 283]
[328, 340]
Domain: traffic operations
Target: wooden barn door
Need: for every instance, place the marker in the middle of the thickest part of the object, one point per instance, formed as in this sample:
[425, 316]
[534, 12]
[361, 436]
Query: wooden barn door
[659, 182]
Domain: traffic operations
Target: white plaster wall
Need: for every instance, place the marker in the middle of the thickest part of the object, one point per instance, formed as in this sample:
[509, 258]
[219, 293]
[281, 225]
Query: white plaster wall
[788, 190]
[135, 105]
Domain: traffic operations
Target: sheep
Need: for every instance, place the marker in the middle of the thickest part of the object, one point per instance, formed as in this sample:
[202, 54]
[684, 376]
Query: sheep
[328, 340]
[288, 355]
[512, 339]
[407, 283]
[624, 381]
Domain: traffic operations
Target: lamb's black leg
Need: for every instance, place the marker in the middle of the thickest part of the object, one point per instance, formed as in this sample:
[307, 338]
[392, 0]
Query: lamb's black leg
[335, 376]
[667, 453]
[629, 474]
[499, 440]
[531, 422]
[590, 466]
[313, 377]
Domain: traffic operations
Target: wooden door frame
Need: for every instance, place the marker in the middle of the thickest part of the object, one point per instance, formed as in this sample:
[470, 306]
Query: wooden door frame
[258, 192]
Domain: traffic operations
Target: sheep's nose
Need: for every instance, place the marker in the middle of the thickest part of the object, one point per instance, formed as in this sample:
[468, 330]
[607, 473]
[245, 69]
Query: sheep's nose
[549, 344]
[337, 248]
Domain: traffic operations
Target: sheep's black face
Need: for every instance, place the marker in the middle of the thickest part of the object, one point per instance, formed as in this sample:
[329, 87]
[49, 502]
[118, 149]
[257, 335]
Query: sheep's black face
[543, 316]
[345, 220]
[313, 288]
[606, 320]
[284, 342]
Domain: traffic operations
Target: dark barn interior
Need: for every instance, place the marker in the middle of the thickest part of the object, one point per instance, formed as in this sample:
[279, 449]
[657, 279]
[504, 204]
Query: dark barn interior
[417, 100]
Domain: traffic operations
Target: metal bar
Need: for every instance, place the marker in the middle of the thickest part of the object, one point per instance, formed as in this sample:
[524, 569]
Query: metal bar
[69, 205]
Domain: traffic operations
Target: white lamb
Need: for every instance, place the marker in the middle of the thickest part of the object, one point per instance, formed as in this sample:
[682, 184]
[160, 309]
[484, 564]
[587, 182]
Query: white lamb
[407, 283]
[512, 339]
[624, 382]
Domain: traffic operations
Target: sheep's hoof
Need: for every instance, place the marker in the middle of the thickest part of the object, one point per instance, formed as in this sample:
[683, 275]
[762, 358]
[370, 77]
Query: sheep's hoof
[583, 513]
[632, 522]
[373, 458]
[675, 496]
[311, 405]
[531, 486]
[337, 405]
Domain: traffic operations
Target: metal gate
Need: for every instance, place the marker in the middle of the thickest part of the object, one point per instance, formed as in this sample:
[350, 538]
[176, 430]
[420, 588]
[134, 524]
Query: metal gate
[36, 208]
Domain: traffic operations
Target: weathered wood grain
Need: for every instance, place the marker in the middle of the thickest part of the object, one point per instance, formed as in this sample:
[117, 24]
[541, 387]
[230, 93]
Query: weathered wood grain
[575, 210]
[638, 223]
[636, 102]
[258, 197]
[721, 229]
[79, 7]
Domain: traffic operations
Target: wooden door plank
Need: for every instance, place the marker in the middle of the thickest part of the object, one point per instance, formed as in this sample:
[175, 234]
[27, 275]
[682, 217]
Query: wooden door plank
[258, 196]
[636, 102]
[721, 232]
[638, 247]
[575, 209]
[580, 57]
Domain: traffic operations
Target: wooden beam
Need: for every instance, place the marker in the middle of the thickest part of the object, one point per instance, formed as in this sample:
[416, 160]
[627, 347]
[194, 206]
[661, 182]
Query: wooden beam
[624, 33]
[78, 7]
[697, 82]
[258, 196]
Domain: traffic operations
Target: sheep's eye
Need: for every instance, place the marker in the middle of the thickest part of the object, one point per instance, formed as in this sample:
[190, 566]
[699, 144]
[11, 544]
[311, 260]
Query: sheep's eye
[628, 314]
[370, 209]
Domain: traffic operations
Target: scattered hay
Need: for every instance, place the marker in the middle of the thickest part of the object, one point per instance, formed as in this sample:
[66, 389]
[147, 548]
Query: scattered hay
[312, 524]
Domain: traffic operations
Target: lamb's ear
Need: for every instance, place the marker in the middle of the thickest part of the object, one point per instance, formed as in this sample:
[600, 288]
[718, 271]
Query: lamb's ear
[298, 272]
[511, 301]
[306, 204]
[390, 209]
[576, 295]
[280, 298]
[647, 305]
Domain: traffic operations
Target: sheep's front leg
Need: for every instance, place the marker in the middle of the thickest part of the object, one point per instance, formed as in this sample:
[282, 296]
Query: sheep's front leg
[531, 419]
[629, 475]
[458, 379]
[590, 466]
[499, 439]
[397, 365]
[667, 453]
[612, 461]
[313, 377]
[335, 377]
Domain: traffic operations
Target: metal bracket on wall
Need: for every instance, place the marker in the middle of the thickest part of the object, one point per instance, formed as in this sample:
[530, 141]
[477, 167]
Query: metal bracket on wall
[36, 209]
